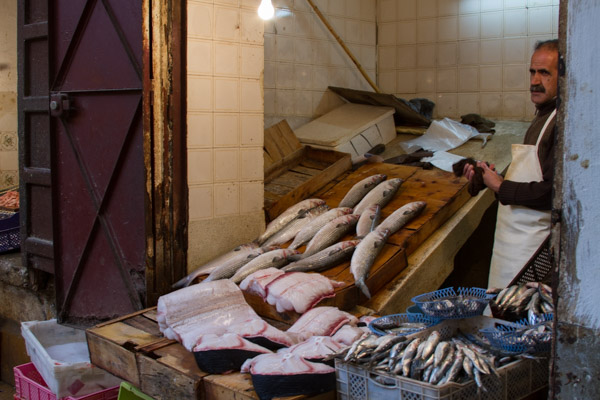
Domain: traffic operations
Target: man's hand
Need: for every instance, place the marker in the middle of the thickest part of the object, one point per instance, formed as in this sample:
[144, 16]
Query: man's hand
[490, 177]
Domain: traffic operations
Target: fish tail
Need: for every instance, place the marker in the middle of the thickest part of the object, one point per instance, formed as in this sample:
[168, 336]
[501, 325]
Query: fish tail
[183, 282]
[363, 287]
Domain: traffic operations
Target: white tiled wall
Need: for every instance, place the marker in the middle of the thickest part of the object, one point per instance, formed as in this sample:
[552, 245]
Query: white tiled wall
[468, 56]
[225, 108]
[302, 58]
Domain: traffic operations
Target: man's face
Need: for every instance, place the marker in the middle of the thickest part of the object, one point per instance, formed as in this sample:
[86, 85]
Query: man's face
[543, 75]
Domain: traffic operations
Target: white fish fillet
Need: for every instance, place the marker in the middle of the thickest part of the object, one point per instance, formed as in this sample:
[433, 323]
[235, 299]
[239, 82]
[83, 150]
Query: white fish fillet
[321, 321]
[284, 364]
[257, 282]
[347, 334]
[314, 347]
[256, 328]
[299, 291]
[212, 341]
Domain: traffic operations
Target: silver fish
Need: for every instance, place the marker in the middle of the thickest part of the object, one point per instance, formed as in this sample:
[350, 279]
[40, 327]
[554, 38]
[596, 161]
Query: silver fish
[396, 220]
[313, 227]
[228, 268]
[441, 350]
[364, 256]
[409, 354]
[287, 216]
[330, 233]
[368, 219]
[431, 343]
[275, 258]
[456, 367]
[360, 189]
[290, 231]
[444, 366]
[210, 266]
[326, 258]
[381, 194]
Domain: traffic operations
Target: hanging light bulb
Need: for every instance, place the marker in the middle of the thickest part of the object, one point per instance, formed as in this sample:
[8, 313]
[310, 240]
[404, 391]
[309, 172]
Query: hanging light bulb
[266, 10]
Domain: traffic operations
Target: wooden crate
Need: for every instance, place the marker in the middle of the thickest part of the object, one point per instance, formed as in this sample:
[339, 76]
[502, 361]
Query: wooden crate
[293, 171]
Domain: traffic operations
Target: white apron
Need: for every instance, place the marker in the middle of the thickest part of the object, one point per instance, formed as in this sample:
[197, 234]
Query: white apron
[520, 230]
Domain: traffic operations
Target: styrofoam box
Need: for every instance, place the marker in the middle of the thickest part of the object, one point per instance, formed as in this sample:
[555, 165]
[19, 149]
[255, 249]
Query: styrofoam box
[350, 128]
[61, 356]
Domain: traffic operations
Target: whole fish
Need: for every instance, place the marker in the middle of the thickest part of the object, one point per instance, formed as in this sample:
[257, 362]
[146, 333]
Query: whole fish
[313, 227]
[287, 216]
[360, 189]
[368, 220]
[274, 258]
[330, 233]
[431, 343]
[441, 350]
[324, 259]
[290, 231]
[228, 268]
[396, 220]
[364, 256]
[444, 366]
[381, 194]
[207, 268]
[409, 354]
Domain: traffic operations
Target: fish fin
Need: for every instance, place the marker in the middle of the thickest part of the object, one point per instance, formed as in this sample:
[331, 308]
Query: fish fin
[295, 257]
[363, 287]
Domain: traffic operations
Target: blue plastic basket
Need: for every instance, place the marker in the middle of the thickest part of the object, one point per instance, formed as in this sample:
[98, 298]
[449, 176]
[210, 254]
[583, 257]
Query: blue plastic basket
[449, 304]
[397, 320]
[522, 336]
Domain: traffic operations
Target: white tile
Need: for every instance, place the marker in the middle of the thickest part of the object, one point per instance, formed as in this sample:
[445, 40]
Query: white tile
[353, 8]
[270, 47]
[540, 20]
[285, 76]
[491, 51]
[250, 4]
[468, 79]
[490, 105]
[469, 6]
[269, 105]
[492, 25]
[251, 163]
[447, 54]
[284, 48]
[284, 102]
[490, 78]
[468, 103]
[426, 55]
[387, 57]
[200, 166]
[515, 77]
[515, 22]
[386, 81]
[320, 78]
[407, 9]
[447, 7]
[302, 24]
[227, 95]
[303, 103]
[491, 5]
[446, 105]
[227, 59]
[387, 33]
[538, 3]
[339, 26]
[269, 26]
[406, 81]
[319, 30]
[515, 4]
[555, 19]
[227, 24]
[446, 80]
[303, 50]
[252, 130]
[368, 57]
[368, 33]
[406, 34]
[251, 96]
[406, 56]
[515, 50]
[368, 10]
[533, 40]
[200, 57]
[227, 128]
[199, 130]
[468, 52]
[270, 75]
[199, 93]
[426, 30]
[447, 29]
[530, 109]
[200, 20]
[426, 8]
[426, 80]
[302, 76]
[288, 4]
[252, 196]
[227, 2]
[336, 76]
[513, 105]
[337, 7]
[387, 10]
[284, 22]
[227, 199]
[227, 168]
[338, 56]
[201, 202]
[468, 27]
[353, 31]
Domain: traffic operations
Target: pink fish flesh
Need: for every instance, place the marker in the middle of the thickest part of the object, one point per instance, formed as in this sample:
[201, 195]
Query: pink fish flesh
[260, 332]
[256, 282]
[212, 341]
[316, 347]
[220, 354]
[320, 321]
[283, 364]
[347, 334]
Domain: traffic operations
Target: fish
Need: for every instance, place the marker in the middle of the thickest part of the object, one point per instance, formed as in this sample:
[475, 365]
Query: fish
[256, 283]
[324, 259]
[368, 220]
[290, 231]
[441, 350]
[230, 267]
[321, 321]
[274, 258]
[409, 354]
[364, 256]
[313, 227]
[287, 216]
[360, 189]
[210, 266]
[431, 343]
[330, 233]
[396, 220]
[381, 194]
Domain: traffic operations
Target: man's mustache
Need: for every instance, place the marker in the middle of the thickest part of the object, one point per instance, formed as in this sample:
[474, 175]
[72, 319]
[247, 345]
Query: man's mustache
[537, 88]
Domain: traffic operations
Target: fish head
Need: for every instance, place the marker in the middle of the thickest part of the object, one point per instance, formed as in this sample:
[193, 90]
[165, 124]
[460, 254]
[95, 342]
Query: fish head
[286, 253]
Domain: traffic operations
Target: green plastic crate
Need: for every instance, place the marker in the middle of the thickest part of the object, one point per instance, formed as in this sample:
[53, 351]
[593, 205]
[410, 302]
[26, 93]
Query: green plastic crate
[129, 392]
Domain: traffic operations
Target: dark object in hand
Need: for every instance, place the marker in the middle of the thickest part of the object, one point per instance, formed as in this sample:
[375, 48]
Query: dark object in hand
[476, 184]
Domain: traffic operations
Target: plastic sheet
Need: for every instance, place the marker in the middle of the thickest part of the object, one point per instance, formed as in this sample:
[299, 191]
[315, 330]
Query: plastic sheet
[443, 135]
[443, 160]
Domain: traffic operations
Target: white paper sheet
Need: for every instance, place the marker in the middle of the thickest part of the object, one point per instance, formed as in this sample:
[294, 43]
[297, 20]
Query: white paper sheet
[443, 135]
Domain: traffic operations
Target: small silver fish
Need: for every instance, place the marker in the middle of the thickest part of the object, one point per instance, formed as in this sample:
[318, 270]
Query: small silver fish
[360, 189]
[275, 258]
[396, 220]
[364, 257]
[431, 343]
[313, 227]
[287, 216]
[290, 231]
[324, 259]
[381, 194]
[330, 233]
[368, 219]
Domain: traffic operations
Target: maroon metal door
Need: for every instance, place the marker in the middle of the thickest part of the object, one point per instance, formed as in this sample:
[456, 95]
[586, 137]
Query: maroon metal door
[98, 174]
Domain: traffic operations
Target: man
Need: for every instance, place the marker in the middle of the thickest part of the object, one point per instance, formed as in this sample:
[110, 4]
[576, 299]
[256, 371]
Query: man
[525, 193]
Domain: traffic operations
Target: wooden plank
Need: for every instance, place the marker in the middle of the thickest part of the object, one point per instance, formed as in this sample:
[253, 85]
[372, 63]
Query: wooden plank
[283, 164]
[288, 135]
[291, 179]
[270, 146]
[277, 190]
[305, 170]
[268, 161]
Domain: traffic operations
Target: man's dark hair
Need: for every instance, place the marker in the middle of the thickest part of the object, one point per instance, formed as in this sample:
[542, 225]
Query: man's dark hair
[546, 45]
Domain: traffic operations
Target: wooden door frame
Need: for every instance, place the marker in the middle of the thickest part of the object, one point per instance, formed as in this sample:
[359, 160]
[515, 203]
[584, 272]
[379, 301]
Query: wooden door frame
[164, 105]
